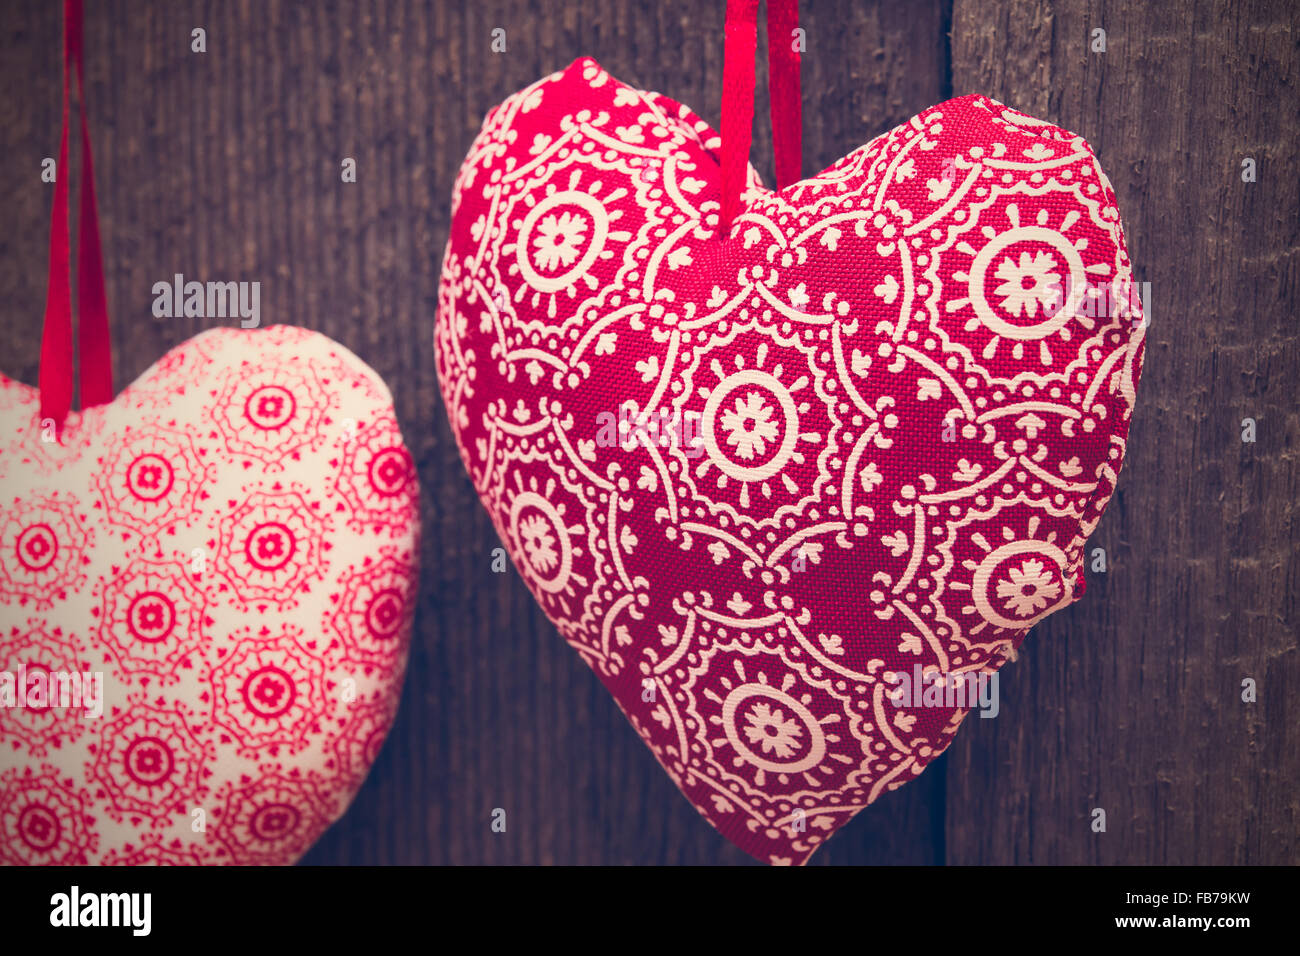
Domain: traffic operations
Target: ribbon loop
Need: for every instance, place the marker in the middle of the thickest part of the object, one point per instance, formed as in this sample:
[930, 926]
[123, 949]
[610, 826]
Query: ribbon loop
[740, 47]
[784, 90]
[57, 352]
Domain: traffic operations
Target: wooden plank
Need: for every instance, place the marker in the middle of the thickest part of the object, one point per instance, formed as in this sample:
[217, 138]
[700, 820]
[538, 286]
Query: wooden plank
[1131, 700]
[226, 165]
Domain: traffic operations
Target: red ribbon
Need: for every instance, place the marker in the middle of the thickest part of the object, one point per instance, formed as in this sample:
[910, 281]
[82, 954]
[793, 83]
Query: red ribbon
[56, 343]
[783, 90]
[740, 46]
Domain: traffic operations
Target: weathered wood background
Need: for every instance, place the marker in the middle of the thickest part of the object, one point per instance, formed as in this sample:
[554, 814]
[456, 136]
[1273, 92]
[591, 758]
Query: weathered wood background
[226, 165]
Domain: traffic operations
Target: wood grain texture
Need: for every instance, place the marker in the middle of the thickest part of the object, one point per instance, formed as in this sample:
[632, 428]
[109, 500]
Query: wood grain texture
[226, 166]
[1131, 700]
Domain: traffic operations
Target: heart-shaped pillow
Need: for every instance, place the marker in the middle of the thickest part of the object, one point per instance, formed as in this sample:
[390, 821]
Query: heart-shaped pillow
[772, 485]
[206, 590]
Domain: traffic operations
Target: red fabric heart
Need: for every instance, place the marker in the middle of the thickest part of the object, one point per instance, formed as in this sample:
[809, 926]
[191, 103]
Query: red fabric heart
[230, 545]
[864, 436]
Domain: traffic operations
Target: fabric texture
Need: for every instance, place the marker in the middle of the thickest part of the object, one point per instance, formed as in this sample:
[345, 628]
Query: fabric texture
[231, 545]
[760, 481]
